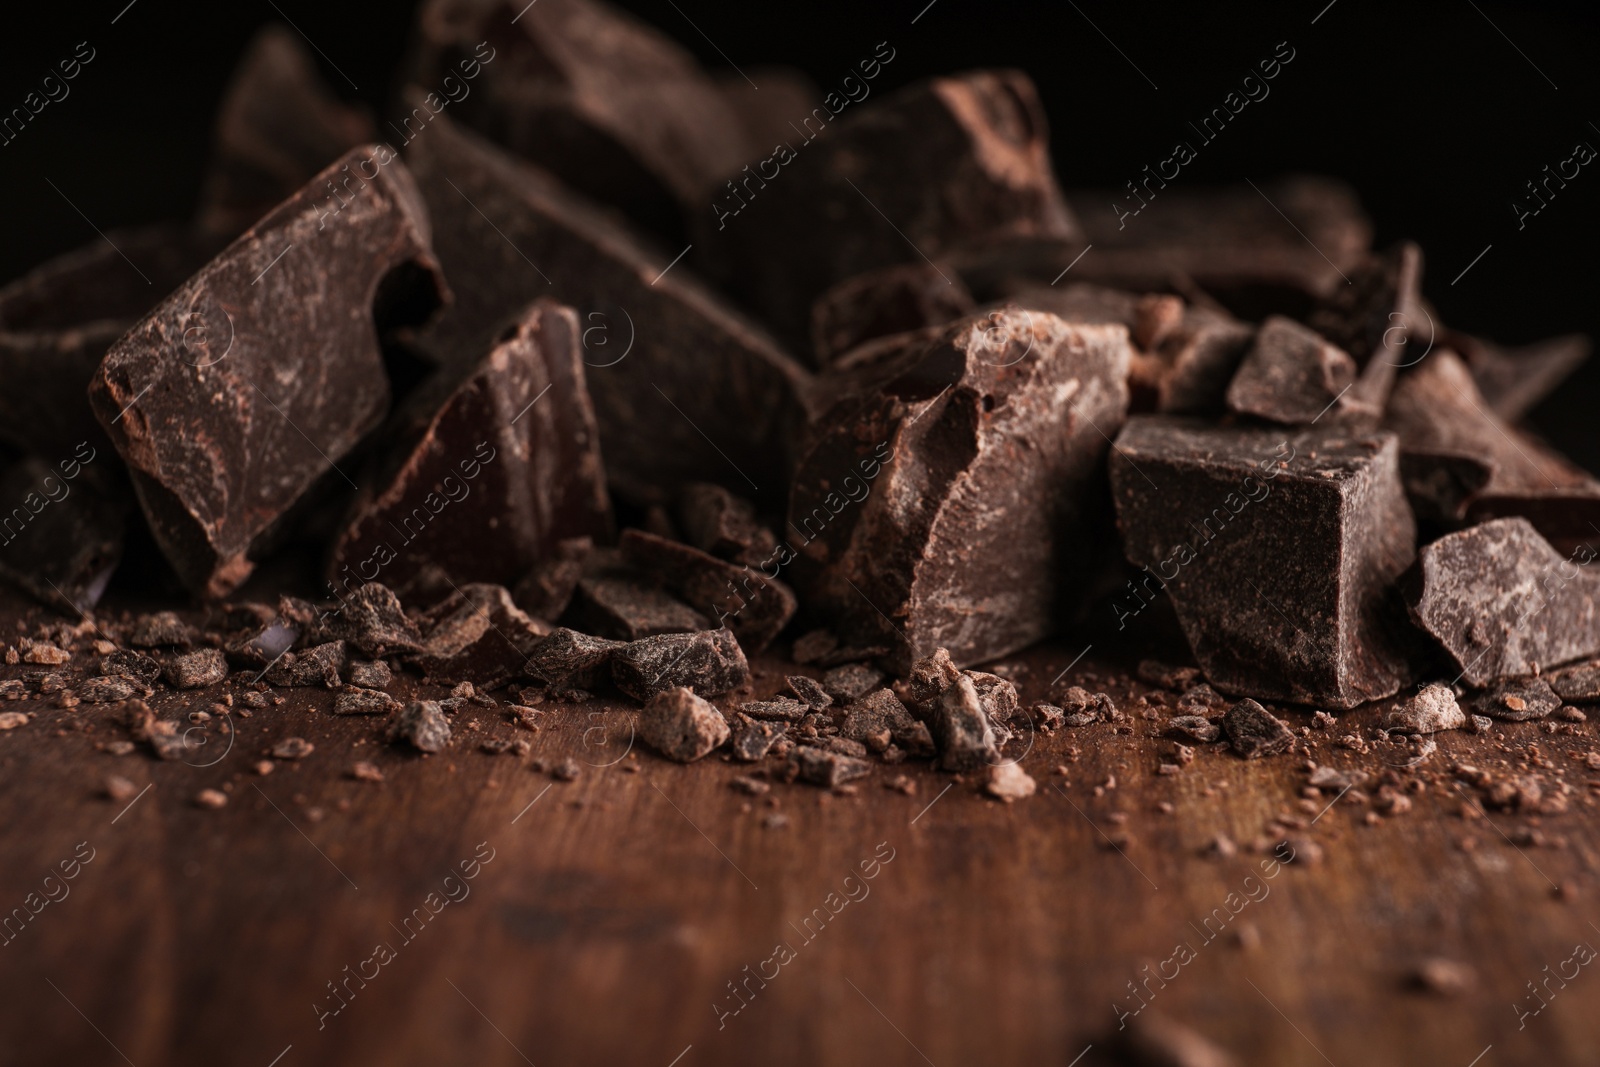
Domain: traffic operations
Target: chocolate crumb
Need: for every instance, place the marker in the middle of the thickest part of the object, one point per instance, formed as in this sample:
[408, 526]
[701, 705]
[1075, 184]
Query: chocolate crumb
[1254, 732]
[423, 725]
[211, 798]
[1009, 782]
[196, 669]
[293, 748]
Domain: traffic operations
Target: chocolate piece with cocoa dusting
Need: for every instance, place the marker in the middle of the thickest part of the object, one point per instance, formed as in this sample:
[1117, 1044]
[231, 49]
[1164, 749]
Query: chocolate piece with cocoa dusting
[680, 725]
[266, 642]
[1281, 551]
[372, 621]
[1516, 700]
[546, 590]
[130, 664]
[1579, 684]
[196, 669]
[1293, 375]
[1194, 727]
[108, 689]
[809, 691]
[480, 636]
[163, 629]
[896, 299]
[781, 710]
[1082, 707]
[1255, 732]
[1048, 717]
[1433, 709]
[756, 608]
[423, 725]
[370, 674]
[717, 521]
[357, 701]
[851, 681]
[997, 695]
[568, 659]
[710, 662]
[961, 730]
[880, 717]
[819, 766]
[1503, 602]
[318, 665]
[619, 605]
[752, 739]
[928, 525]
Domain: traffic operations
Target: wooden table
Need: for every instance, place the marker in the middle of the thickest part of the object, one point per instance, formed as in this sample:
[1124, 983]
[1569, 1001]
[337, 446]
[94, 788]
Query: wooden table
[611, 917]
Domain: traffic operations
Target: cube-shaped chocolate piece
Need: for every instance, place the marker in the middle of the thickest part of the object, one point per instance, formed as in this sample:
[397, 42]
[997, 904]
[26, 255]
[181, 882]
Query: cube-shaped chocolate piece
[249, 383]
[951, 495]
[1280, 550]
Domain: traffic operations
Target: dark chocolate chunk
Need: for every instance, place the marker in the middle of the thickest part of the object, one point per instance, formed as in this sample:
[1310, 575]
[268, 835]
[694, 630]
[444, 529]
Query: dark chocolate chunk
[851, 681]
[161, 629]
[130, 664]
[61, 539]
[1082, 707]
[481, 637]
[756, 608]
[609, 103]
[1198, 362]
[710, 662]
[1433, 709]
[1254, 732]
[818, 766]
[1503, 603]
[914, 174]
[500, 473]
[1516, 700]
[680, 725]
[495, 219]
[781, 710]
[319, 665]
[546, 590]
[1373, 319]
[422, 724]
[880, 715]
[927, 522]
[752, 738]
[108, 689]
[1280, 551]
[1047, 717]
[196, 669]
[998, 696]
[373, 622]
[568, 659]
[357, 701]
[1513, 380]
[897, 299]
[809, 690]
[723, 524]
[278, 125]
[370, 674]
[1195, 728]
[627, 608]
[961, 730]
[1292, 375]
[291, 375]
[1579, 684]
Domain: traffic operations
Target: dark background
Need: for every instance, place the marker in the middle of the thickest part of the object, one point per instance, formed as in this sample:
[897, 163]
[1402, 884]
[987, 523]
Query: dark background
[1428, 109]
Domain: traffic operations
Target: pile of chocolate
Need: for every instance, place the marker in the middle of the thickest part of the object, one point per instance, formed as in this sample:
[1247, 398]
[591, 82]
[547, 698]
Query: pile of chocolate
[854, 370]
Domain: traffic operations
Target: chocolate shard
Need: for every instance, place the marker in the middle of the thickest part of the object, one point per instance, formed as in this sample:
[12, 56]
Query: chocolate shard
[422, 725]
[195, 669]
[1374, 319]
[879, 718]
[57, 322]
[546, 590]
[130, 664]
[61, 539]
[819, 766]
[1504, 603]
[480, 636]
[1578, 684]
[1432, 710]
[161, 629]
[319, 665]
[925, 169]
[278, 125]
[1514, 379]
[752, 739]
[680, 725]
[1198, 361]
[851, 681]
[1516, 700]
[953, 499]
[1255, 732]
[1292, 375]
[725, 525]
[358, 701]
[500, 474]
[810, 691]
[496, 218]
[709, 662]
[608, 103]
[781, 710]
[618, 605]
[1280, 551]
[373, 622]
[890, 300]
[290, 377]
[568, 659]
[962, 732]
[369, 674]
[756, 608]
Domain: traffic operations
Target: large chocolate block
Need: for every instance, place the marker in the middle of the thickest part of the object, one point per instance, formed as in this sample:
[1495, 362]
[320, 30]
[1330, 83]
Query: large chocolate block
[223, 437]
[1280, 550]
[949, 499]
[606, 102]
[684, 389]
[1505, 604]
[912, 175]
[278, 125]
[507, 467]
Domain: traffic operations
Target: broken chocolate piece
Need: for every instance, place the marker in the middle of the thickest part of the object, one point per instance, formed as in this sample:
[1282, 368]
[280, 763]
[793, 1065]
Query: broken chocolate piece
[756, 608]
[927, 523]
[935, 164]
[60, 539]
[1082, 707]
[710, 662]
[653, 406]
[1374, 319]
[110, 689]
[568, 659]
[266, 643]
[1292, 375]
[1009, 782]
[278, 125]
[319, 665]
[1516, 700]
[851, 681]
[481, 637]
[998, 696]
[1579, 684]
[1503, 603]
[355, 701]
[681, 726]
[624, 607]
[716, 521]
[500, 474]
[372, 621]
[809, 690]
[961, 730]
[1255, 732]
[130, 664]
[196, 669]
[781, 710]
[752, 739]
[897, 299]
[1199, 360]
[547, 589]
[1433, 709]
[290, 376]
[1195, 728]
[881, 713]
[422, 724]
[819, 766]
[1280, 551]
[161, 629]
[370, 674]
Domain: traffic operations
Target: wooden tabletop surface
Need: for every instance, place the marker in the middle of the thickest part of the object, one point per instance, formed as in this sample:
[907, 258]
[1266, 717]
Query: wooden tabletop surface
[648, 913]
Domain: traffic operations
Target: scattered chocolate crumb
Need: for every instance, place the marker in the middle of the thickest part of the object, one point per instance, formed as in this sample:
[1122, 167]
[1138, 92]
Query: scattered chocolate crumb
[365, 771]
[1009, 782]
[119, 788]
[566, 771]
[1443, 976]
[211, 798]
[754, 787]
[352, 701]
[293, 748]
[1194, 727]
[264, 767]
